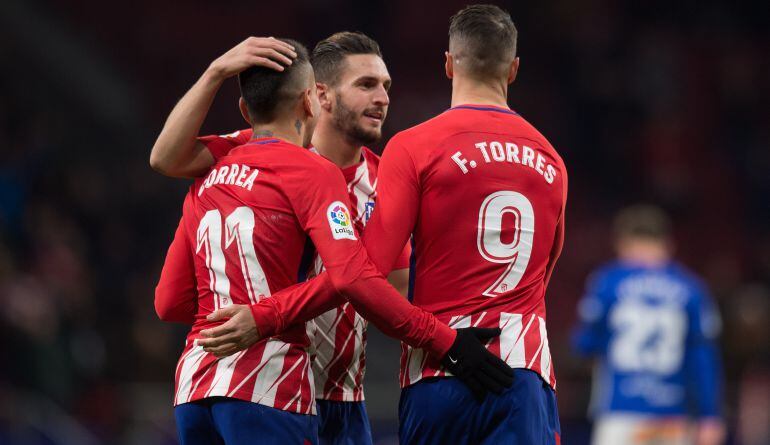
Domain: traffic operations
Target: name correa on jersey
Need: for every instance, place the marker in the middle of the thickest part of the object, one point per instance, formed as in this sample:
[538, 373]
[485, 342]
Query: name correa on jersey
[233, 174]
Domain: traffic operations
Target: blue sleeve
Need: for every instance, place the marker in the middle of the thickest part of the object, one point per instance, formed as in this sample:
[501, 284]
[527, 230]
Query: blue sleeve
[591, 334]
[704, 368]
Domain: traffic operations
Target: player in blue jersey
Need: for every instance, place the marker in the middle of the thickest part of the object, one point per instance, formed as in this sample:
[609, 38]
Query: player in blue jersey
[652, 328]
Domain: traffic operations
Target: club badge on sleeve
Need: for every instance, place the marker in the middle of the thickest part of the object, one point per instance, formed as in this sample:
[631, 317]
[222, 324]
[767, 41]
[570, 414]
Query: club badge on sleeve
[340, 222]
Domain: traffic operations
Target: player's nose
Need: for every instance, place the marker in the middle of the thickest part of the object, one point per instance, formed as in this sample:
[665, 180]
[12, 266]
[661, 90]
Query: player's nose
[381, 97]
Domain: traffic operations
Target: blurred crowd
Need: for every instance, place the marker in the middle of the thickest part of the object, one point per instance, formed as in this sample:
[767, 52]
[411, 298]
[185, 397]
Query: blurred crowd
[645, 101]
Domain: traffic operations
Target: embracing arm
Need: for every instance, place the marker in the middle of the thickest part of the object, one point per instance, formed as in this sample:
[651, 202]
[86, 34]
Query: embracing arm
[177, 151]
[324, 214]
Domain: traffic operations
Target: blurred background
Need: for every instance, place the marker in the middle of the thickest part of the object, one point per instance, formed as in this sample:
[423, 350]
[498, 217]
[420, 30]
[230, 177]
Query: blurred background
[657, 101]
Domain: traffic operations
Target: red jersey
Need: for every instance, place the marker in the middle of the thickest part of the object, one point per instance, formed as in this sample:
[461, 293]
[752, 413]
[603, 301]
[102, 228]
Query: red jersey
[245, 226]
[338, 337]
[483, 194]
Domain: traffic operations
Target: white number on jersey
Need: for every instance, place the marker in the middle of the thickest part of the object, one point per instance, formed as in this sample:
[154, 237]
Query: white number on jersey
[647, 338]
[239, 227]
[515, 254]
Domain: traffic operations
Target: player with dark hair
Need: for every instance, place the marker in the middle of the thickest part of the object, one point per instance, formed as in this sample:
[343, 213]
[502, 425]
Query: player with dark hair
[353, 84]
[249, 220]
[652, 328]
[482, 194]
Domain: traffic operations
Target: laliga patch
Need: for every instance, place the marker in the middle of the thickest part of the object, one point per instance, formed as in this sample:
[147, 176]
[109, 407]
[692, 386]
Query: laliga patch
[340, 222]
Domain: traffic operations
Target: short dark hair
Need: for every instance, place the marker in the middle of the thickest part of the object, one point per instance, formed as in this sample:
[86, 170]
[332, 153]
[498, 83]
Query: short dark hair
[266, 90]
[329, 54]
[482, 39]
[642, 221]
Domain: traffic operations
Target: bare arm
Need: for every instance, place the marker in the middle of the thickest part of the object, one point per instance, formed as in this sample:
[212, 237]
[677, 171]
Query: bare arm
[177, 151]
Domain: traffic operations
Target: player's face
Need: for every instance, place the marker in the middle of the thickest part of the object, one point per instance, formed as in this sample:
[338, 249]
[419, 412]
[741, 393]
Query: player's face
[361, 98]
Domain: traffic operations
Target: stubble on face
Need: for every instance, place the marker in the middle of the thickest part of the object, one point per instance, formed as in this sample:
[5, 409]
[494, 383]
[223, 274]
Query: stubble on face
[349, 122]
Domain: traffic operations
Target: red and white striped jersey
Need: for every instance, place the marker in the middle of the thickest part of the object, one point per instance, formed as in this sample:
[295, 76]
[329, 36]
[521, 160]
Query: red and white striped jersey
[483, 193]
[338, 337]
[242, 235]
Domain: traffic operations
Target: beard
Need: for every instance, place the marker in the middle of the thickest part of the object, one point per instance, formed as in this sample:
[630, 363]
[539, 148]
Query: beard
[347, 120]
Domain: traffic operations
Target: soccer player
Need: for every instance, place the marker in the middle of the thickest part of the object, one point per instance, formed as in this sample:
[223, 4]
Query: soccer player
[483, 194]
[652, 327]
[242, 235]
[353, 84]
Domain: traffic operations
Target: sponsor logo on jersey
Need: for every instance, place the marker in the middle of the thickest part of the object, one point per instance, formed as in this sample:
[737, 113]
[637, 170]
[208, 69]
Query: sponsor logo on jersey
[340, 222]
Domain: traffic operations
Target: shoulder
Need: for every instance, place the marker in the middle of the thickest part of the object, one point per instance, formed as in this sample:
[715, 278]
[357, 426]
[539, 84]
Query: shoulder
[423, 130]
[698, 290]
[685, 274]
[305, 168]
[532, 132]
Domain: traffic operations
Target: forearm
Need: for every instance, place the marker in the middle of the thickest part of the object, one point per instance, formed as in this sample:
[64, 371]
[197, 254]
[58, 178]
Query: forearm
[295, 304]
[705, 371]
[370, 294]
[177, 147]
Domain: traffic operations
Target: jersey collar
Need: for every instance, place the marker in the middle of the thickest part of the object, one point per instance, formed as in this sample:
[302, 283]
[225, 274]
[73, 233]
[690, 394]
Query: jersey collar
[262, 141]
[484, 108]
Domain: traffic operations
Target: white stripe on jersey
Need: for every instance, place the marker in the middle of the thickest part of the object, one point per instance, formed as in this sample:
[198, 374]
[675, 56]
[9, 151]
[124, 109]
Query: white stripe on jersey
[511, 339]
[513, 350]
[545, 354]
[324, 345]
[223, 375]
[189, 364]
[354, 367]
[266, 384]
[298, 395]
[363, 190]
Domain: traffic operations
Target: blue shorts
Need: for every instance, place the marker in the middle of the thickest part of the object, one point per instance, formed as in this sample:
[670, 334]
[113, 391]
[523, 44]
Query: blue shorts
[443, 411]
[225, 421]
[343, 423]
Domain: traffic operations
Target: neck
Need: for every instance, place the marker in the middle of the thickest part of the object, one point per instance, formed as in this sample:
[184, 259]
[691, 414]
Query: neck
[288, 131]
[334, 145]
[467, 91]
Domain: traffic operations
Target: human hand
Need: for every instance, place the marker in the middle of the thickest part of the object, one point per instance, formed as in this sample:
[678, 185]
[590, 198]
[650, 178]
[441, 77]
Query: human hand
[236, 334]
[254, 51]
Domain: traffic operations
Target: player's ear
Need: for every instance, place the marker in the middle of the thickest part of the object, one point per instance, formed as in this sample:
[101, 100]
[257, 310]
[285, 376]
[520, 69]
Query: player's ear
[449, 65]
[324, 95]
[307, 103]
[513, 70]
[244, 111]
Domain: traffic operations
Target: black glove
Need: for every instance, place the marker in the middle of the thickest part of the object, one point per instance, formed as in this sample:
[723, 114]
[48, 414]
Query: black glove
[478, 368]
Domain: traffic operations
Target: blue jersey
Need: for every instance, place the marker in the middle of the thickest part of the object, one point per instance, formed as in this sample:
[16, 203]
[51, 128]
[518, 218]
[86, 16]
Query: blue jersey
[653, 331]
